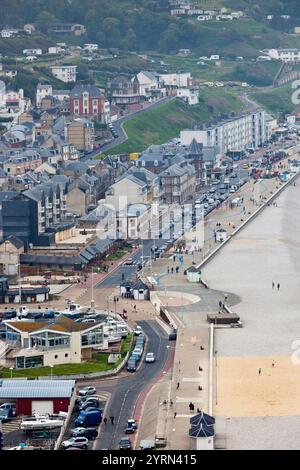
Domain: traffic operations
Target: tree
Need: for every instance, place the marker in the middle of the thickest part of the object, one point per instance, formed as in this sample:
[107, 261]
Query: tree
[45, 21]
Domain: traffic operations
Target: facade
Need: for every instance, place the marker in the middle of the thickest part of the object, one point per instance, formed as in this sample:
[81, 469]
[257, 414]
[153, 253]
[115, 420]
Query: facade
[10, 252]
[285, 55]
[87, 101]
[65, 73]
[40, 344]
[190, 95]
[41, 92]
[38, 216]
[69, 28]
[19, 164]
[81, 134]
[148, 83]
[233, 134]
[124, 91]
[133, 222]
[178, 183]
[128, 190]
[175, 80]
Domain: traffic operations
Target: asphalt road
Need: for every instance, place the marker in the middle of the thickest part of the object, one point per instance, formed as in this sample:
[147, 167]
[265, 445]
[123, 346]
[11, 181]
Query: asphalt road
[116, 278]
[126, 390]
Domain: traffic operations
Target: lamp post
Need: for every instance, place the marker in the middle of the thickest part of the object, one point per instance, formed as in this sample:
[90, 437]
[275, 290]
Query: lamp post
[11, 371]
[92, 300]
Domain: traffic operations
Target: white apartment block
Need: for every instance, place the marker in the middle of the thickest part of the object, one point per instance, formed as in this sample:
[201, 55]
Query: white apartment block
[65, 73]
[285, 55]
[233, 134]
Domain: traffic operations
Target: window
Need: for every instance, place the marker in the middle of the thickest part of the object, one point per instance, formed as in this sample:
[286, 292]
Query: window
[56, 356]
[67, 355]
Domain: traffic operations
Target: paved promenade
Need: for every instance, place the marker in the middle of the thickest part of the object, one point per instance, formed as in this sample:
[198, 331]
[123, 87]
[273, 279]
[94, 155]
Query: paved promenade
[258, 403]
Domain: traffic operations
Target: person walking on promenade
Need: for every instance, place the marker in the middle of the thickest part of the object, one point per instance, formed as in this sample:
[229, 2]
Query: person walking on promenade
[226, 297]
[278, 286]
[273, 285]
[112, 420]
[178, 385]
[259, 371]
[105, 420]
[273, 363]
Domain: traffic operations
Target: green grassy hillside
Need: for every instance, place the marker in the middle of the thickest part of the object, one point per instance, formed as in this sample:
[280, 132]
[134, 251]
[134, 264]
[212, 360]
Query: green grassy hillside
[162, 124]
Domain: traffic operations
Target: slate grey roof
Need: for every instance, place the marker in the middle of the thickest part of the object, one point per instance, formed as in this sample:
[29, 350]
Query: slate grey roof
[14, 240]
[202, 418]
[57, 260]
[92, 90]
[201, 431]
[195, 148]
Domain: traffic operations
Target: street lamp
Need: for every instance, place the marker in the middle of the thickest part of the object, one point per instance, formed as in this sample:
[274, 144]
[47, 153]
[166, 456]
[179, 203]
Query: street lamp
[11, 371]
[92, 300]
[51, 367]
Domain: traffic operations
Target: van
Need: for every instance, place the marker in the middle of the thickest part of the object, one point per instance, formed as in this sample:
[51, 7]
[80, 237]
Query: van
[88, 418]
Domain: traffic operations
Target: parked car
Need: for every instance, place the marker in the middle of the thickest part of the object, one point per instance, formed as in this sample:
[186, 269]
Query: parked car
[7, 412]
[150, 358]
[88, 390]
[89, 403]
[89, 433]
[81, 400]
[125, 443]
[81, 442]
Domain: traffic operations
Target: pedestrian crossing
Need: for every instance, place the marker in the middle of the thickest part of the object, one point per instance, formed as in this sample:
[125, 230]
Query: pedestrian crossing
[11, 426]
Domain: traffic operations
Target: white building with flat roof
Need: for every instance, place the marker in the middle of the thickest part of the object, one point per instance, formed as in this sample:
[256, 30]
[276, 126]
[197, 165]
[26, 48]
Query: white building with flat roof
[232, 134]
[285, 55]
[65, 73]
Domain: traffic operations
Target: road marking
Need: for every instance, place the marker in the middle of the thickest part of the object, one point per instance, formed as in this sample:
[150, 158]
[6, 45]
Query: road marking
[193, 379]
[188, 400]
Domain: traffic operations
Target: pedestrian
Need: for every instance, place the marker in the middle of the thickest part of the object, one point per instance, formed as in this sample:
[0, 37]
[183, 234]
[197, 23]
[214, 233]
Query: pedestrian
[171, 403]
[175, 414]
[174, 258]
[168, 270]
[112, 420]
[191, 406]
[226, 297]
[278, 286]
[273, 285]
[105, 420]
[134, 307]
[178, 385]
[220, 303]
[273, 363]
[172, 270]
[259, 371]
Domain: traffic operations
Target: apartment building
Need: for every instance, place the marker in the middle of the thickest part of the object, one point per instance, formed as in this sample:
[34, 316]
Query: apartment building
[178, 183]
[231, 134]
[285, 55]
[88, 101]
[65, 73]
[21, 162]
[37, 216]
[81, 134]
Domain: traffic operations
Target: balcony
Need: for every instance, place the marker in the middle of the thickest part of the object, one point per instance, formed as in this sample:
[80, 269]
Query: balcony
[49, 206]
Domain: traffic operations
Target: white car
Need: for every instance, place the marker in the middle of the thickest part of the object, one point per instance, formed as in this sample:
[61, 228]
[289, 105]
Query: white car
[87, 391]
[81, 442]
[150, 358]
[138, 331]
